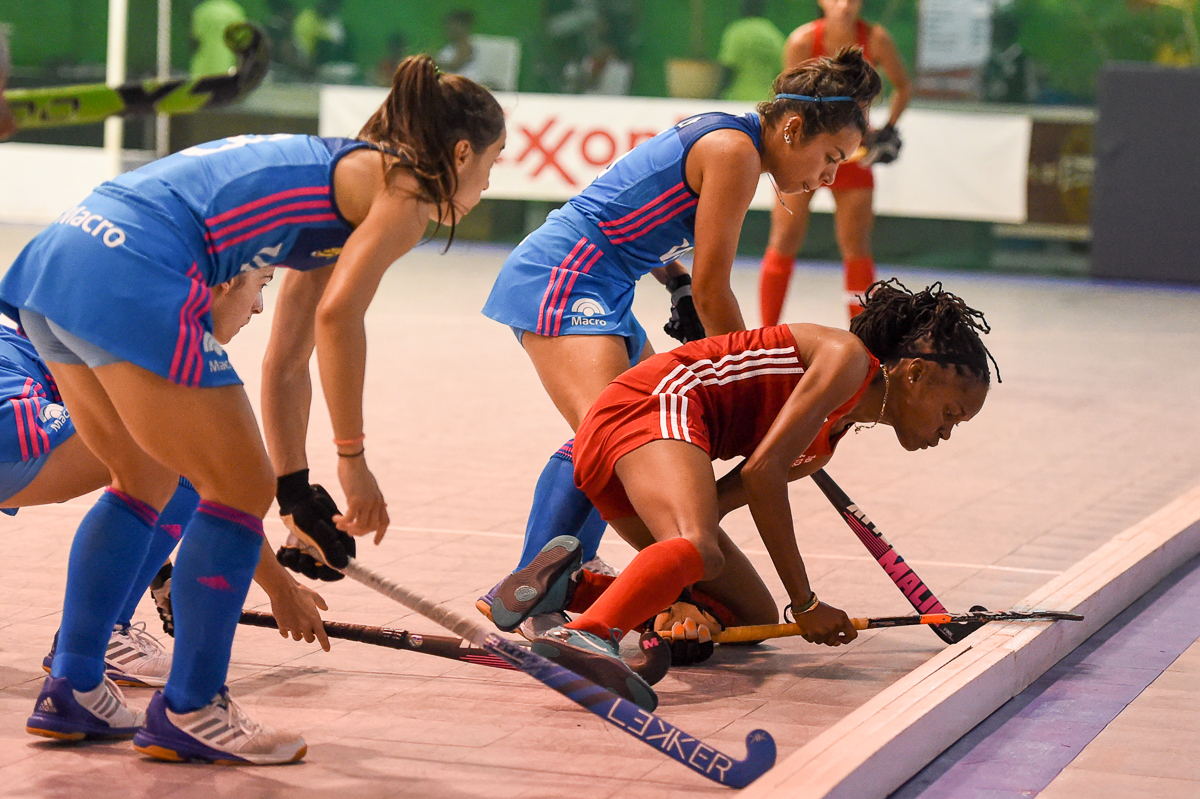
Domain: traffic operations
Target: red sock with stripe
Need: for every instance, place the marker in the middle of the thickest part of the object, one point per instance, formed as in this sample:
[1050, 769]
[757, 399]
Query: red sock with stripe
[775, 273]
[650, 583]
[860, 274]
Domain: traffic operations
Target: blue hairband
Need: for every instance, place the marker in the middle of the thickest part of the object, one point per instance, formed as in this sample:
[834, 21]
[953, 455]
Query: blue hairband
[809, 99]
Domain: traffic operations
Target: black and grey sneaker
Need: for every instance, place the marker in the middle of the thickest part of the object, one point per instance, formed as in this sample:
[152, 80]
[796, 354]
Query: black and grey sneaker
[544, 586]
[598, 660]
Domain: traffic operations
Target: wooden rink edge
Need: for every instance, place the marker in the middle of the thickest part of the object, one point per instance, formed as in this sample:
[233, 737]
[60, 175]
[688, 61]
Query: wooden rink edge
[878, 747]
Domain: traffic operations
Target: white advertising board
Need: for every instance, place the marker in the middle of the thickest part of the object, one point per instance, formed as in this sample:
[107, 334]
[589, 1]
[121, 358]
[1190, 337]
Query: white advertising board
[40, 181]
[953, 165]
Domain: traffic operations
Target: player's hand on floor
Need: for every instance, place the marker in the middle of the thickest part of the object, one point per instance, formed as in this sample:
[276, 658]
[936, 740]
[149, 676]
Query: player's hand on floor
[309, 514]
[688, 629]
[296, 609]
[366, 510]
[826, 625]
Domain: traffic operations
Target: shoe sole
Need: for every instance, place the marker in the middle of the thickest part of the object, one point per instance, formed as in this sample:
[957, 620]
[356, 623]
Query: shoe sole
[124, 679]
[60, 735]
[163, 753]
[540, 587]
[603, 671]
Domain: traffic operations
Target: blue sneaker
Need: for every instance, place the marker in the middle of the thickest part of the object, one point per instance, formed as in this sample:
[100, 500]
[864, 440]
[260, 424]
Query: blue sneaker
[544, 586]
[598, 660]
[69, 715]
[220, 732]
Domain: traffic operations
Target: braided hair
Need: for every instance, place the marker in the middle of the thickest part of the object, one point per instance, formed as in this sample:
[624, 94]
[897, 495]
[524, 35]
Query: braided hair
[932, 324]
[847, 74]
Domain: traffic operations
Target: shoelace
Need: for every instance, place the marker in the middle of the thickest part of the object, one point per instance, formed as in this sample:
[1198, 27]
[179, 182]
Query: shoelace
[238, 717]
[143, 639]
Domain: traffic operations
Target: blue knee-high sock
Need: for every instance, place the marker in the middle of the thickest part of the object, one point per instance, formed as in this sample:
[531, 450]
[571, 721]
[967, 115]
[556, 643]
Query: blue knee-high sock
[167, 533]
[107, 553]
[212, 573]
[559, 508]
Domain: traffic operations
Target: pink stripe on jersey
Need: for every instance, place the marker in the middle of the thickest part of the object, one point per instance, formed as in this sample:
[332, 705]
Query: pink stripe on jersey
[140, 509]
[187, 363]
[615, 222]
[686, 206]
[271, 198]
[22, 436]
[560, 296]
[550, 285]
[571, 285]
[307, 205]
[253, 523]
[659, 210]
[290, 220]
[41, 441]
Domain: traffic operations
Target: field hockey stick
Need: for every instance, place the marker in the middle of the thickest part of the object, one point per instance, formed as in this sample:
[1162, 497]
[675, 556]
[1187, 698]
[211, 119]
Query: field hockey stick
[761, 632]
[913, 587]
[650, 666]
[443, 646]
[53, 106]
[642, 724]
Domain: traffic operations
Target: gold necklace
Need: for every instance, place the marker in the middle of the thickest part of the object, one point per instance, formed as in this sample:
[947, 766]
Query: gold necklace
[887, 384]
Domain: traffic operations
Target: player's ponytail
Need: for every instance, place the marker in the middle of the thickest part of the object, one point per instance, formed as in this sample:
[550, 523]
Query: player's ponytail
[828, 94]
[932, 324]
[424, 116]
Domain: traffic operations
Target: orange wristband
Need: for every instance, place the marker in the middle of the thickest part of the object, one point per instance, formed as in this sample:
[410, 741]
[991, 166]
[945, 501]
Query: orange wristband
[349, 442]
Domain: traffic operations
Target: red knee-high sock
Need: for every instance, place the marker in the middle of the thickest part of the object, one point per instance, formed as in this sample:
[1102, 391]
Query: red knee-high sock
[588, 590]
[651, 582]
[773, 284]
[860, 274]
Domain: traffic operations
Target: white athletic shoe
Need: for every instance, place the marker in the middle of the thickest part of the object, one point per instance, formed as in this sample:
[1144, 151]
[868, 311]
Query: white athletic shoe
[597, 566]
[220, 732]
[64, 713]
[536, 626]
[135, 657]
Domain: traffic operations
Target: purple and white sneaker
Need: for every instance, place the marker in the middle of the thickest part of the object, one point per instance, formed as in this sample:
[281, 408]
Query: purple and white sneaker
[69, 715]
[220, 732]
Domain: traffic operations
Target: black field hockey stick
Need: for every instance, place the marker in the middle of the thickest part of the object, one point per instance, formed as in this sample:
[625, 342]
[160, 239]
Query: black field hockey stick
[761, 632]
[652, 664]
[641, 724]
[53, 106]
[913, 587]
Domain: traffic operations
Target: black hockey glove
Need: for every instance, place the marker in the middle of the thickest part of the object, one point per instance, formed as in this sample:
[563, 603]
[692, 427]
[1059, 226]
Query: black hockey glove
[685, 324]
[883, 146]
[308, 512]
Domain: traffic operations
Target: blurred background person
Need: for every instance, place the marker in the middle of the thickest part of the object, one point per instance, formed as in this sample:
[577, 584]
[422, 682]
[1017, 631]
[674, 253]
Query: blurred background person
[751, 53]
[458, 56]
[854, 187]
[209, 21]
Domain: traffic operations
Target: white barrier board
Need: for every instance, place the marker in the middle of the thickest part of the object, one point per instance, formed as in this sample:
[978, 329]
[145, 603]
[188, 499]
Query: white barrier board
[40, 181]
[953, 165]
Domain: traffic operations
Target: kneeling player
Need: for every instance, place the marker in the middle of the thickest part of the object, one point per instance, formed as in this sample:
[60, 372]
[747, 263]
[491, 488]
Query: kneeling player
[781, 397]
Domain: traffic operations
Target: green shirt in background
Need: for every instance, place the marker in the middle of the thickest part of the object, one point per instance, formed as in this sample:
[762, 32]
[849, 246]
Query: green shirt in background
[209, 21]
[753, 48]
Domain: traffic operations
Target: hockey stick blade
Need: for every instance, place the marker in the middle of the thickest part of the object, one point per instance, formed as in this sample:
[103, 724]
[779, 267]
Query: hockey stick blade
[762, 632]
[53, 106]
[443, 646]
[641, 724]
[918, 594]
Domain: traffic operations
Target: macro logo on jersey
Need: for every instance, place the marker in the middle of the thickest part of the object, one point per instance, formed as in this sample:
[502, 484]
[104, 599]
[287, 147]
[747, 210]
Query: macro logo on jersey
[212, 345]
[53, 417]
[214, 354]
[95, 224]
[584, 310]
